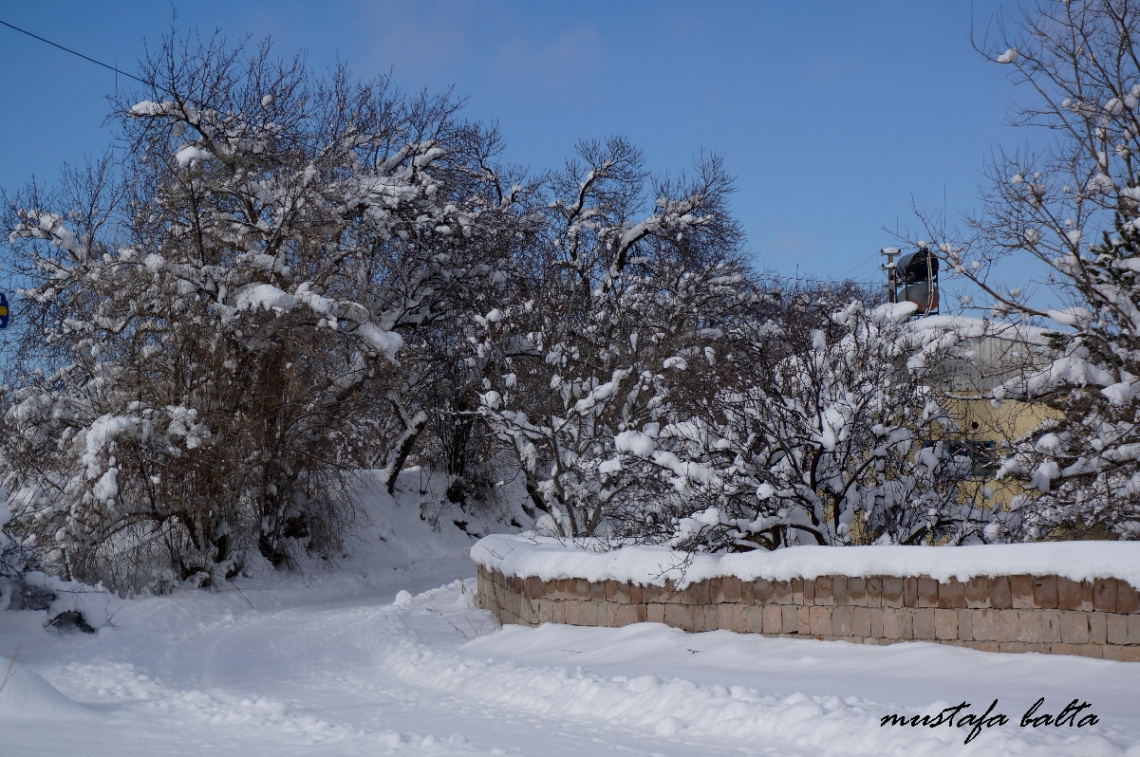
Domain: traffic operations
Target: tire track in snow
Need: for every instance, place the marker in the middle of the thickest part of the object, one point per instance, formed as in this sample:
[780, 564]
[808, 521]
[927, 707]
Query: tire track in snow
[686, 712]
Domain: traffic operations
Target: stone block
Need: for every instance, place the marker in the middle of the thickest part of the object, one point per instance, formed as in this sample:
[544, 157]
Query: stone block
[1001, 595]
[861, 621]
[946, 624]
[820, 621]
[924, 624]
[782, 592]
[1122, 654]
[1045, 592]
[892, 591]
[762, 592]
[876, 622]
[572, 612]
[679, 616]
[1117, 628]
[642, 612]
[1074, 627]
[841, 621]
[533, 587]
[696, 618]
[983, 646]
[995, 625]
[699, 592]
[927, 592]
[1021, 587]
[966, 625]
[790, 618]
[874, 586]
[731, 590]
[655, 612]
[809, 591]
[730, 617]
[824, 591]
[1038, 626]
[1051, 625]
[557, 589]
[1134, 629]
[1127, 600]
[1104, 595]
[978, 592]
[622, 593]
[714, 587]
[598, 591]
[592, 613]
[1021, 647]
[1098, 628]
[797, 591]
[952, 595]
[624, 615]
[910, 592]
[897, 623]
[772, 619]
[1068, 594]
[757, 618]
[712, 618]
[857, 592]
[839, 593]
[1087, 650]
[636, 594]
[803, 620]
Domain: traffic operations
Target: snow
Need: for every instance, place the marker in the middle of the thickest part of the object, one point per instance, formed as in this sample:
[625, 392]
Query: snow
[551, 559]
[384, 653]
[636, 442]
[264, 296]
[191, 153]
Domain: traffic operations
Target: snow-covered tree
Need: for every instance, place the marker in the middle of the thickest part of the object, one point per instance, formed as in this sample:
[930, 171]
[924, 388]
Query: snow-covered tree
[613, 296]
[821, 426]
[215, 319]
[1073, 207]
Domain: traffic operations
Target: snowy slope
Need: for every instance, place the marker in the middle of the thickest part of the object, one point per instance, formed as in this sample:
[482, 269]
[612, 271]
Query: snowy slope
[385, 654]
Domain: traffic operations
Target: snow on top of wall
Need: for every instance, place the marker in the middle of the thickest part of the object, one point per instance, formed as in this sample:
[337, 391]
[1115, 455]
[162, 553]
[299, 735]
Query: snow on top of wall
[551, 559]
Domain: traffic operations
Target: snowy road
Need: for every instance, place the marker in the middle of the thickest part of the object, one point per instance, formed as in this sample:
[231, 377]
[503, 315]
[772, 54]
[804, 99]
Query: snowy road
[429, 674]
[369, 659]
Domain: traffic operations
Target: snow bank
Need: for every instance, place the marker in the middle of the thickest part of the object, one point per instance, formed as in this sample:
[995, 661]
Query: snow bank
[24, 694]
[552, 559]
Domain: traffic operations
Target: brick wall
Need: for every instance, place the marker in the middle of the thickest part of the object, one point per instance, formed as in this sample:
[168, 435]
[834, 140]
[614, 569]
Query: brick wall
[998, 614]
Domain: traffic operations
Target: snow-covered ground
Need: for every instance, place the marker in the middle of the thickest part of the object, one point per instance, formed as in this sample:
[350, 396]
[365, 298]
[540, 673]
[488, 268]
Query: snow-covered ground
[385, 653]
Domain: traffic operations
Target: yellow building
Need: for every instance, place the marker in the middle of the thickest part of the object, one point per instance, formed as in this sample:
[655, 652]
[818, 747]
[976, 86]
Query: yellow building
[991, 354]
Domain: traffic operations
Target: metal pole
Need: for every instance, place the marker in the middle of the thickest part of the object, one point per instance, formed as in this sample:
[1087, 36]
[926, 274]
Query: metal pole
[890, 252]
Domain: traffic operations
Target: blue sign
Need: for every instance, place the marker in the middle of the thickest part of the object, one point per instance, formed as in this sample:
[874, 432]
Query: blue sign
[3, 311]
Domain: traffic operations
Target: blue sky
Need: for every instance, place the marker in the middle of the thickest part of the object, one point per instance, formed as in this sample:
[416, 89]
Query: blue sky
[832, 115]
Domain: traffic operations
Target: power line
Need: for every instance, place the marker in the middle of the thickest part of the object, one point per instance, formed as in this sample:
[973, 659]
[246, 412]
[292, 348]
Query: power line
[809, 280]
[76, 53]
[153, 84]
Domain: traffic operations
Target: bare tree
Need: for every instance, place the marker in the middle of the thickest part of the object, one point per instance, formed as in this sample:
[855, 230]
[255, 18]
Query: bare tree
[1071, 207]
